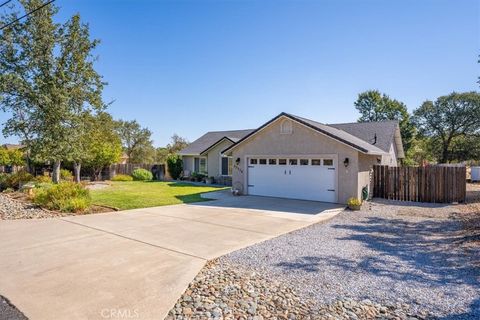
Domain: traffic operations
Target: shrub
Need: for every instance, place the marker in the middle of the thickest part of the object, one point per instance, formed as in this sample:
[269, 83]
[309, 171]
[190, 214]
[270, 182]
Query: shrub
[198, 177]
[354, 203]
[65, 197]
[43, 179]
[3, 181]
[174, 166]
[142, 175]
[17, 179]
[122, 177]
[66, 175]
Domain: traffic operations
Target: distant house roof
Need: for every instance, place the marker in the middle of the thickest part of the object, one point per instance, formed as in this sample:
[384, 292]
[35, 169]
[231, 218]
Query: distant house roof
[334, 133]
[211, 138]
[12, 146]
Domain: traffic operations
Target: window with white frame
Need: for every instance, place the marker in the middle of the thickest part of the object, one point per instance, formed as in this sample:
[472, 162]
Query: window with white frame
[227, 166]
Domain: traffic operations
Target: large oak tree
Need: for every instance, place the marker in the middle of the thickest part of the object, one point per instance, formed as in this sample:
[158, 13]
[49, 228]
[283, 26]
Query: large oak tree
[452, 121]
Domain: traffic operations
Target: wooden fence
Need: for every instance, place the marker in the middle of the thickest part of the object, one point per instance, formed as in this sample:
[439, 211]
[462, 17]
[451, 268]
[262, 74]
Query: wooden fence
[158, 170]
[440, 184]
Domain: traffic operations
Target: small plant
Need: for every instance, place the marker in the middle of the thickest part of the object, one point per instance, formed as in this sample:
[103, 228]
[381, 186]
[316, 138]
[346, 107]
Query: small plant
[66, 175]
[354, 204]
[65, 197]
[122, 177]
[142, 175]
[17, 179]
[198, 177]
[8, 190]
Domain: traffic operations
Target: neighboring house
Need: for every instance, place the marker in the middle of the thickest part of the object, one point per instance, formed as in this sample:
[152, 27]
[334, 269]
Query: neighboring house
[204, 155]
[294, 157]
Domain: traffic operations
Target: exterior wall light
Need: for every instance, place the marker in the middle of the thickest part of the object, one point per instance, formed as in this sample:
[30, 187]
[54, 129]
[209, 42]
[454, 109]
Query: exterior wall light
[237, 161]
[346, 162]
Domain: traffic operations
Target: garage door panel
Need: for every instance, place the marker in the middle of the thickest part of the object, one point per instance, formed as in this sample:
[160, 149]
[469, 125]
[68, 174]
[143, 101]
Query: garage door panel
[307, 181]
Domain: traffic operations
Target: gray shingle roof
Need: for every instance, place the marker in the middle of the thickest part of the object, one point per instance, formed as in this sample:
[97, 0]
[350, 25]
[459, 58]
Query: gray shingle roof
[383, 130]
[211, 138]
[341, 135]
[337, 134]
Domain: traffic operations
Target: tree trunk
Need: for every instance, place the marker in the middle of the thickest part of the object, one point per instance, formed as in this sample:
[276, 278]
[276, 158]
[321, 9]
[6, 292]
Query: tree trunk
[76, 171]
[97, 174]
[56, 171]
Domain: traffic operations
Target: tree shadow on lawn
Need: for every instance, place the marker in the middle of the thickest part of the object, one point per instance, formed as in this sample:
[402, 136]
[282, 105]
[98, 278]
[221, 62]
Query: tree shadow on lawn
[425, 251]
[180, 184]
[194, 197]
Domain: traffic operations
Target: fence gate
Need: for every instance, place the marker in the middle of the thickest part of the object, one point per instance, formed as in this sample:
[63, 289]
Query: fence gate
[438, 184]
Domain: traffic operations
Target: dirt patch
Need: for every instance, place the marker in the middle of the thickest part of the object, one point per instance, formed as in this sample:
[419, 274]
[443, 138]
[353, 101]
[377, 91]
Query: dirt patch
[98, 185]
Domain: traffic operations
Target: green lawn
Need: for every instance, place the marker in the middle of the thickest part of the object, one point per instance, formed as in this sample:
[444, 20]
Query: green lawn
[140, 194]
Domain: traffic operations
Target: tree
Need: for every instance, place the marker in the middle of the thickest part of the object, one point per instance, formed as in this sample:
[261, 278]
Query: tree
[136, 141]
[84, 86]
[161, 155]
[26, 59]
[448, 118]
[47, 83]
[103, 145]
[375, 106]
[177, 143]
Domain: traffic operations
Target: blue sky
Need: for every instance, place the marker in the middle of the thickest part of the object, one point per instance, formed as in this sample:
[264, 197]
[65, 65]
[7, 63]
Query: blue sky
[188, 67]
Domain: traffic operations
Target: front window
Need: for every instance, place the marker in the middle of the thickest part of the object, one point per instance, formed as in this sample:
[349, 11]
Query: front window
[203, 166]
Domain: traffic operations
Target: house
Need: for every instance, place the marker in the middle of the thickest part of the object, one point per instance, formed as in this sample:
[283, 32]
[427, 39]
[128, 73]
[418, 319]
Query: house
[295, 157]
[204, 155]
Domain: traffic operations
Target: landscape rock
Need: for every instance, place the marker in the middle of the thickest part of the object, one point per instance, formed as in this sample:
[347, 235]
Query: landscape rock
[225, 291]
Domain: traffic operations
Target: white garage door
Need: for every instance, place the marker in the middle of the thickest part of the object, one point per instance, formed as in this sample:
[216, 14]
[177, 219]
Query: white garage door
[297, 178]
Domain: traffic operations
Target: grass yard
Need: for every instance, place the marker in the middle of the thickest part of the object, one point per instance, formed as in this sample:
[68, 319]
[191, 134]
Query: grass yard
[140, 194]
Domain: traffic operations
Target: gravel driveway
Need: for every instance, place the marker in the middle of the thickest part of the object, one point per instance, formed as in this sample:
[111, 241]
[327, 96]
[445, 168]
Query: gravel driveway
[9, 312]
[386, 253]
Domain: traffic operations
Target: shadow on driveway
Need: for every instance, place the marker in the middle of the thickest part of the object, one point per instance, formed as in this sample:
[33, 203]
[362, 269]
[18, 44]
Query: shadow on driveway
[225, 199]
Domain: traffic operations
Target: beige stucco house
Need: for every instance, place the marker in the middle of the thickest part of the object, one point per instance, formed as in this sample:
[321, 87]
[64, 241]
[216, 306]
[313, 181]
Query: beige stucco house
[294, 157]
[204, 155]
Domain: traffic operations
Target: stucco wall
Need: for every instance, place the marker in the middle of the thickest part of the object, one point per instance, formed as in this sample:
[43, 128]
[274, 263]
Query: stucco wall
[213, 158]
[302, 141]
[390, 159]
[365, 165]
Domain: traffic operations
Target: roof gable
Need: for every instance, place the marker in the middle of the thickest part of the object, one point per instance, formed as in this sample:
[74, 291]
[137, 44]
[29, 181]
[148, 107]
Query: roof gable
[211, 138]
[334, 133]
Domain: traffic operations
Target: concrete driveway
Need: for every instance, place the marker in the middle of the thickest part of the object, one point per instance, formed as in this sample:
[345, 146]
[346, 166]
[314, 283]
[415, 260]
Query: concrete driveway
[133, 264]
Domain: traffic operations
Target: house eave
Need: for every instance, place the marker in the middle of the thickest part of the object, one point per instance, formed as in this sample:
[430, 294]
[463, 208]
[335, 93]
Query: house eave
[283, 114]
[215, 144]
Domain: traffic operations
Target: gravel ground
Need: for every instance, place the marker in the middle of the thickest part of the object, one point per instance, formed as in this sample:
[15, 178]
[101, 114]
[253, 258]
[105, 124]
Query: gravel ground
[224, 291]
[9, 312]
[14, 209]
[386, 253]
